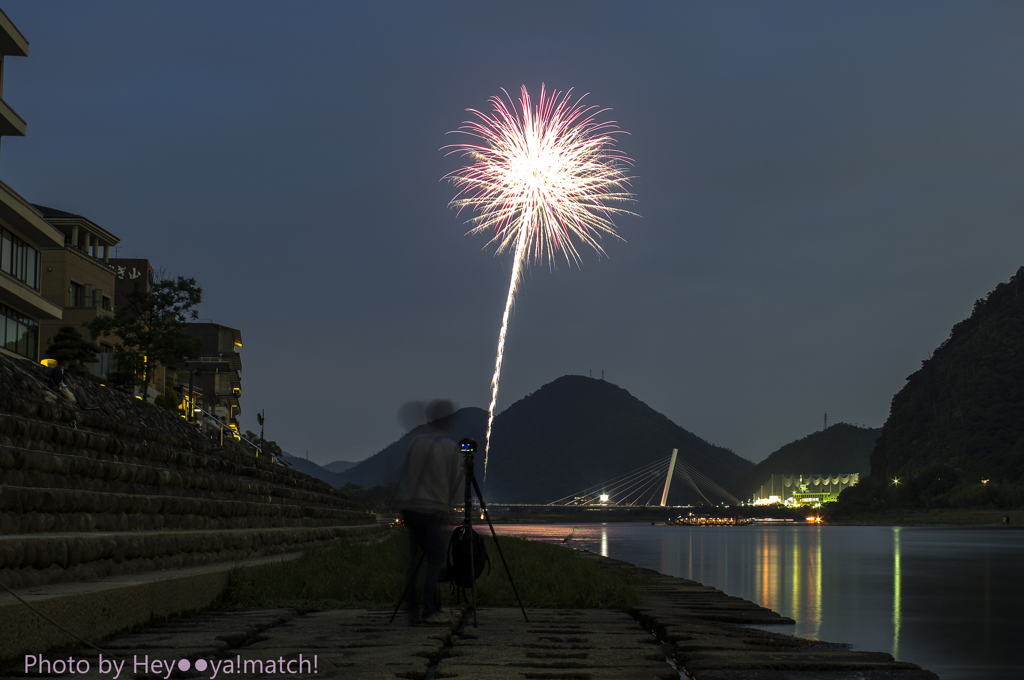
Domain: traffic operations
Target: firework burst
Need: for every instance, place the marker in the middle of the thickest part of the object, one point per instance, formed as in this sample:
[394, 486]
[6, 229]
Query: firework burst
[543, 179]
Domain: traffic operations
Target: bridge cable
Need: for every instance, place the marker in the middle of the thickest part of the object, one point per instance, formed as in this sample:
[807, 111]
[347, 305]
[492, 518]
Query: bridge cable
[618, 481]
[652, 477]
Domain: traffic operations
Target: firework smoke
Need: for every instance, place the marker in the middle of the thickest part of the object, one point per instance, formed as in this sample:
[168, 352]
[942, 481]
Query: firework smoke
[539, 177]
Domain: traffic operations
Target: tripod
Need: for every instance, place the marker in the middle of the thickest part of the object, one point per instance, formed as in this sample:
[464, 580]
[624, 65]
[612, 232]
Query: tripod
[468, 448]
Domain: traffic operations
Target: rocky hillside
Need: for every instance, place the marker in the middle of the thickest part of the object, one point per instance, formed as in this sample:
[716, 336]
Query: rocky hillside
[957, 421]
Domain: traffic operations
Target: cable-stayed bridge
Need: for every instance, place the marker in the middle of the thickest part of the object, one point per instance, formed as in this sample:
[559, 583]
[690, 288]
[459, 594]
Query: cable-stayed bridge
[646, 486]
[649, 486]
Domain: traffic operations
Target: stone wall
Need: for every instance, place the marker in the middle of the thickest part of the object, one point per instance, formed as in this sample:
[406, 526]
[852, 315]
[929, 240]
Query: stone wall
[133, 487]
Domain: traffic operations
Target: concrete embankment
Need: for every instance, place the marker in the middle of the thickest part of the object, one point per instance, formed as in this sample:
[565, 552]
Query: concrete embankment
[709, 635]
[678, 624]
[91, 500]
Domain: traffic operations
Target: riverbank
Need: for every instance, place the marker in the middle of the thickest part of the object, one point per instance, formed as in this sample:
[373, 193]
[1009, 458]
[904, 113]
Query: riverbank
[938, 517]
[677, 623]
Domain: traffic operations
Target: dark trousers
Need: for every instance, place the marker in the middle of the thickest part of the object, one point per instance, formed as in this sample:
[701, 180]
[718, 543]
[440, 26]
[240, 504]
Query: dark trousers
[426, 535]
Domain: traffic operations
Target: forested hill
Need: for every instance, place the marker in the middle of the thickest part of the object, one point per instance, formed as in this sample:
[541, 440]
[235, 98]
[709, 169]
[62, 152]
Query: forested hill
[577, 431]
[959, 419]
[839, 449]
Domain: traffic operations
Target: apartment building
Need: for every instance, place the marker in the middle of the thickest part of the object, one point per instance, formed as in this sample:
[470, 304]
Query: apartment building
[78, 277]
[24, 235]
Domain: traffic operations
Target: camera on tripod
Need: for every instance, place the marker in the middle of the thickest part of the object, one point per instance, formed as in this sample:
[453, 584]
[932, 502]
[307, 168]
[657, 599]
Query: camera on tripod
[467, 445]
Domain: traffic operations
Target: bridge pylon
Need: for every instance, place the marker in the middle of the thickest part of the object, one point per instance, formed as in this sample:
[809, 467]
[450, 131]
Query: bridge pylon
[668, 477]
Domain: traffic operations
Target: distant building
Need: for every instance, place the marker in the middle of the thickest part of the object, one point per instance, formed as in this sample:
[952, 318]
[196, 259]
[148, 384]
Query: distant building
[129, 274]
[216, 377]
[23, 235]
[804, 489]
[79, 278]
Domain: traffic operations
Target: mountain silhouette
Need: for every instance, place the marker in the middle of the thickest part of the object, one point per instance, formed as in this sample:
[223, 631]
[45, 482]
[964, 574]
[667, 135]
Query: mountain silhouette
[339, 466]
[312, 469]
[839, 449]
[577, 432]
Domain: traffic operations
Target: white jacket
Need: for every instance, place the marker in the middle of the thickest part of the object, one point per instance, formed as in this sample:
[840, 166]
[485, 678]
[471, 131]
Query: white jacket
[431, 475]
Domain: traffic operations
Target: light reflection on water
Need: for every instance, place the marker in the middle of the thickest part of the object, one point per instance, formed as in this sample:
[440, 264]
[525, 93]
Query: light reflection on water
[944, 598]
[896, 596]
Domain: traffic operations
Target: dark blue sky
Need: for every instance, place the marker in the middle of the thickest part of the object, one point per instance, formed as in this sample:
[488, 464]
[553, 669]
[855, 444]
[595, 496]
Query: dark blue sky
[825, 189]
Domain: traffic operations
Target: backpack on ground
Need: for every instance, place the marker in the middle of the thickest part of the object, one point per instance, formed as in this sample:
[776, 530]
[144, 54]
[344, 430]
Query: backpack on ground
[464, 543]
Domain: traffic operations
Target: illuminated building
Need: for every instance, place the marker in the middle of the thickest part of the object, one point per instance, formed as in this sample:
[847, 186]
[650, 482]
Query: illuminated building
[216, 377]
[812, 490]
[23, 235]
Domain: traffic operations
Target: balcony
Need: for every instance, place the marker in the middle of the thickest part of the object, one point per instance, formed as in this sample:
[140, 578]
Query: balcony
[11, 124]
[230, 358]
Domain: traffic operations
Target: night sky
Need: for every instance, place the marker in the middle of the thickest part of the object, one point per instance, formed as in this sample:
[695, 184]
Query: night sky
[825, 189]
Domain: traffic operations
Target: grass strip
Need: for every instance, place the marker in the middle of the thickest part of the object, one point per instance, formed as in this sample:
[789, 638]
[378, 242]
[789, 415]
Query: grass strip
[371, 574]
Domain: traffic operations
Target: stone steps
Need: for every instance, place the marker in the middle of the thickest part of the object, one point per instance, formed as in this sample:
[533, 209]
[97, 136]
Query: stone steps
[118, 472]
[132, 487]
[37, 559]
[88, 458]
[36, 522]
[51, 491]
[37, 509]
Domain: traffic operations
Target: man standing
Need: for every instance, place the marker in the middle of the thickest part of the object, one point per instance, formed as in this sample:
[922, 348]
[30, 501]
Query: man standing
[428, 485]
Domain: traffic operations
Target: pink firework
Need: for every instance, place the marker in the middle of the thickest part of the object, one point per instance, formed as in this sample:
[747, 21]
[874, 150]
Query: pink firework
[542, 178]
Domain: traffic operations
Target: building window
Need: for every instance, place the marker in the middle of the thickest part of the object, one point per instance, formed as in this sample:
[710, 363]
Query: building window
[31, 266]
[5, 251]
[19, 259]
[20, 334]
[77, 295]
[106, 302]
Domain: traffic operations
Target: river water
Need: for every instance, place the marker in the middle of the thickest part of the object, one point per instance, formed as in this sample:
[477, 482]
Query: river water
[947, 599]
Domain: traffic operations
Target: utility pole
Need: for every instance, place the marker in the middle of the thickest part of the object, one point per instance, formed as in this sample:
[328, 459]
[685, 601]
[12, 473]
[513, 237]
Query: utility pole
[825, 426]
[259, 418]
[602, 374]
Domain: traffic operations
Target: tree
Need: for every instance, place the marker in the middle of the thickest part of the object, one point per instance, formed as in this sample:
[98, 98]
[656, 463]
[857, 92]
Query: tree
[151, 326]
[69, 344]
[170, 398]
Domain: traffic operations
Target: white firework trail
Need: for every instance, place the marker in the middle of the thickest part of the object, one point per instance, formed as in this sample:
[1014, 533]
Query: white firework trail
[539, 177]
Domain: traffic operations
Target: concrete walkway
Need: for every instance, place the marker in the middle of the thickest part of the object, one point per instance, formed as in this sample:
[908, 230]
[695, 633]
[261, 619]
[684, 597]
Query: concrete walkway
[361, 645]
